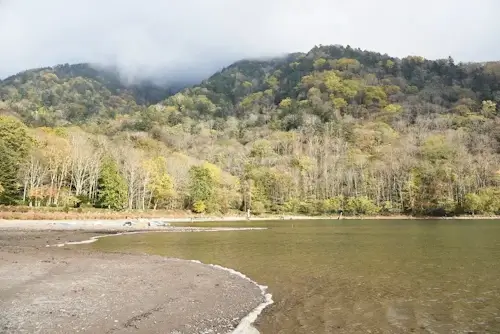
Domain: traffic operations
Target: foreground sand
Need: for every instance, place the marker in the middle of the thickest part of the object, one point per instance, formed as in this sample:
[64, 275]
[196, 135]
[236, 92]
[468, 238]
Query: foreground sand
[70, 290]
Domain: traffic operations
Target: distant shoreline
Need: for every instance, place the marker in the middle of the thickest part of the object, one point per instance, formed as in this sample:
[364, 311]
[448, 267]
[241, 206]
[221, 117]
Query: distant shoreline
[186, 217]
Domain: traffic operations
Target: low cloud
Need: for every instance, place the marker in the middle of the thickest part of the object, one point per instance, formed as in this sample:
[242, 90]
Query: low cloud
[193, 38]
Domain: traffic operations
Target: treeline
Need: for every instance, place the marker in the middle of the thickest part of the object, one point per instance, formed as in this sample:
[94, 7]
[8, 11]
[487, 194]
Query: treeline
[67, 167]
[334, 129]
[313, 171]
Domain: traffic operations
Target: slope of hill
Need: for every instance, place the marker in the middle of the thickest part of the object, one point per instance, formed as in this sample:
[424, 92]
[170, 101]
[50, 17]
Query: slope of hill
[356, 72]
[335, 128]
[67, 94]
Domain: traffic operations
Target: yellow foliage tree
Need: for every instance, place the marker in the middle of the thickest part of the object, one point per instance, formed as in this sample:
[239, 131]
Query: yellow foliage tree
[160, 184]
[286, 103]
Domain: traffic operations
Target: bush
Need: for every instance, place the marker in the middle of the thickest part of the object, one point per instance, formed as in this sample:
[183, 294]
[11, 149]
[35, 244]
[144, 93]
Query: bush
[211, 207]
[389, 207]
[258, 208]
[199, 207]
[306, 208]
[489, 199]
[291, 206]
[334, 204]
[361, 206]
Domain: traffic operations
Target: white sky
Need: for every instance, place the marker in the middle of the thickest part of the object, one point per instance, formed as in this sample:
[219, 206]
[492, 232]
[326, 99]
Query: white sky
[196, 37]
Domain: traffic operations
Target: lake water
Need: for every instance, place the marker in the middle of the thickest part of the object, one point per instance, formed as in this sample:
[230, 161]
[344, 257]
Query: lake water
[354, 276]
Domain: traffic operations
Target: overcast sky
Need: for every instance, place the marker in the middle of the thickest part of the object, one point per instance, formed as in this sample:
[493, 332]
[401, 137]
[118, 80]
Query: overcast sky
[181, 37]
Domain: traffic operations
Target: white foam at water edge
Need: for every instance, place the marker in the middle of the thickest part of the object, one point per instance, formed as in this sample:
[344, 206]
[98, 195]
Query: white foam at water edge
[246, 324]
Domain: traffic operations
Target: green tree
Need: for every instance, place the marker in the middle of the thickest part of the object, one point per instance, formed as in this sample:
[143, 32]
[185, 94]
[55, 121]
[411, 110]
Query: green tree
[272, 82]
[332, 81]
[339, 103]
[393, 108]
[15, 144]
[490, 200]
[472, 203]
[361, 205]
[111, 187]
[375, 95]
[258, 208]
[204, 181]
[319, 63]
[332, 205]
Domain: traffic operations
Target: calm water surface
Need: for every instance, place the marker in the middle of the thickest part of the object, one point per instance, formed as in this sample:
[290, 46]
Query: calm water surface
[355, 276]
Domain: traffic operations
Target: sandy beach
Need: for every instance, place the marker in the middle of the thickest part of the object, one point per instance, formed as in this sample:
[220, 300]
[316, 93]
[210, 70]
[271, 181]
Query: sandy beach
[70, 290]
[112, 225]
[37, 220]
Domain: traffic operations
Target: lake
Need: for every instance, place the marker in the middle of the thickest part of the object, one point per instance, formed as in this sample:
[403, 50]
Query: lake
[349, 276]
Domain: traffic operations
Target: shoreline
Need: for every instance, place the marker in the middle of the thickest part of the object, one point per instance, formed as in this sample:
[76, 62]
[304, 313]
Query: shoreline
[245, 325]
[110, 226]
[159, 223]
[236, 303]
[167, 224]
[21, 213]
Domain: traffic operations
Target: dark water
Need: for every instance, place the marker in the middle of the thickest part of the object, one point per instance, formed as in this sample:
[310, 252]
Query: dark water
[355, 276]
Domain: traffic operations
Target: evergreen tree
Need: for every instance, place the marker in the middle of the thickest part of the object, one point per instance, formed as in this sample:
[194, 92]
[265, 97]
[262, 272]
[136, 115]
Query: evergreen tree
[14, 148]
[112, 187]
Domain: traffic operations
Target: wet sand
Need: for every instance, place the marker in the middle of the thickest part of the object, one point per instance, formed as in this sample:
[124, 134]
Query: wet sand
[71, 290]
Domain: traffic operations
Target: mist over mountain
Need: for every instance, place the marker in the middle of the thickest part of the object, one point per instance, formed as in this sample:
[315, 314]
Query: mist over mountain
[189, 40]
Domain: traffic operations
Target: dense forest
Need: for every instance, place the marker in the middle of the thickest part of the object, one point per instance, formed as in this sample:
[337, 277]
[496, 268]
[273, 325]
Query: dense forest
[333, 129]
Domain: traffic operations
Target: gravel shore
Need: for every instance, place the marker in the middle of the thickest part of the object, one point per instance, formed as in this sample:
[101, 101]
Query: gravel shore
[96, 224]
[70, 290]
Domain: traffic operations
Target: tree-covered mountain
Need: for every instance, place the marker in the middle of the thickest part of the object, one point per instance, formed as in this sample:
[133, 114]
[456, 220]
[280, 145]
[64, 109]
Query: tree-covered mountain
[71, 94]
[333, 129]
[440, 82]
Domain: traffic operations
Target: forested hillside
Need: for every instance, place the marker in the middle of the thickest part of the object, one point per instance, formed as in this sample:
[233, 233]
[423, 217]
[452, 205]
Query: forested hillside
[75, 94]
[334, 129]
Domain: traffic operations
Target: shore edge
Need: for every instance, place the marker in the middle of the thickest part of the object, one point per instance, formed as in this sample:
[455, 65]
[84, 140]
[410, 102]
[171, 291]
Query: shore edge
[195, 219]
[245, 325]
